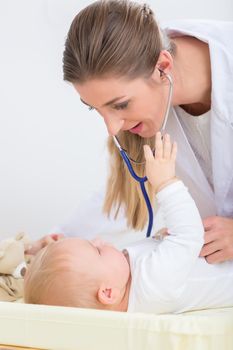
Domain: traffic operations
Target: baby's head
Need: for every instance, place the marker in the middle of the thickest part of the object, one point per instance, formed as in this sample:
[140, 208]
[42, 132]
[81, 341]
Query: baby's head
[79, 273]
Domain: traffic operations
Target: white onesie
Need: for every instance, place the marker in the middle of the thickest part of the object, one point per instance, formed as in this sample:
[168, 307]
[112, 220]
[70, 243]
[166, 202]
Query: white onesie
[169, 276]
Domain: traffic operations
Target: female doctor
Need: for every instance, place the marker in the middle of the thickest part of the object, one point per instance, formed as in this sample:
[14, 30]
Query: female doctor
[119, 59]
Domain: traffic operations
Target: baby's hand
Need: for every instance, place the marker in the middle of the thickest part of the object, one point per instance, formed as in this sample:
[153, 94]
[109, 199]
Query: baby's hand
[160, 169]
[35, 247]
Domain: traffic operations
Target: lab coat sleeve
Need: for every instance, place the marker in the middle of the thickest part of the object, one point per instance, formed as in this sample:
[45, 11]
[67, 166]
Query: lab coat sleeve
[165, 268]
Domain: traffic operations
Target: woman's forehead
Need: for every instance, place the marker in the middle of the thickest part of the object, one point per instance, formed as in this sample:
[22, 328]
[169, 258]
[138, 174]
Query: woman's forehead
[105, 91]
[113, 81]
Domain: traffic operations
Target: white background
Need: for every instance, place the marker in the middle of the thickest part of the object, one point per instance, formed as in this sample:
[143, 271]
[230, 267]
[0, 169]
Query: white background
[52, 149]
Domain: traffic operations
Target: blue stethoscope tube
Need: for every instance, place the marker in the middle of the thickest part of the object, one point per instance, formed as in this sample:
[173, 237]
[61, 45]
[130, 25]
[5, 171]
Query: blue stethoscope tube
[141, 181]
[126, 159]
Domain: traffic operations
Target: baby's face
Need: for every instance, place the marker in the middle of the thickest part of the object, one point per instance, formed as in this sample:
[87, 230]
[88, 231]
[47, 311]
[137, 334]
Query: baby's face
[97, 259]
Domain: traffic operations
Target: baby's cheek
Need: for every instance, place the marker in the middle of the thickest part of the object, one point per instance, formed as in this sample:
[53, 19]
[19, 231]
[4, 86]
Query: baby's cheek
[125, 267]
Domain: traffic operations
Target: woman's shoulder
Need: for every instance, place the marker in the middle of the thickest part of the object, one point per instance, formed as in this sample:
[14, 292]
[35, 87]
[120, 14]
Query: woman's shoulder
[195, 24]
[207, 30]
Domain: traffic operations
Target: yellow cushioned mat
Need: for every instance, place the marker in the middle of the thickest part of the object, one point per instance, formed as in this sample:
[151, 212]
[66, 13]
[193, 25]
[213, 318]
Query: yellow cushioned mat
[49, 327]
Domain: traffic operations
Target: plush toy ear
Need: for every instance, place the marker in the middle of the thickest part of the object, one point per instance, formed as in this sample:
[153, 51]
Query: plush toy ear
[23, 237]
[19, 236]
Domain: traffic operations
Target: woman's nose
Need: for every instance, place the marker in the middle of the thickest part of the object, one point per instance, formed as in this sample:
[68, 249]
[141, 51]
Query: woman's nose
[113, 124]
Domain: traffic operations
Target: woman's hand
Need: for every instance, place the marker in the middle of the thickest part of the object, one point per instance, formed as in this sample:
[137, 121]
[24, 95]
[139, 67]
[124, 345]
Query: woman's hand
[218, 238]
[160, 168]
[36, 246]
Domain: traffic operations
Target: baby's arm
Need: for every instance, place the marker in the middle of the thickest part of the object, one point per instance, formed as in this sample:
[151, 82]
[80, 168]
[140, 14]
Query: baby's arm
[172, 260]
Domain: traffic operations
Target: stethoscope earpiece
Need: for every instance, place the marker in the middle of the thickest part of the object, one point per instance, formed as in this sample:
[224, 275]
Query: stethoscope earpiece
[161, 72]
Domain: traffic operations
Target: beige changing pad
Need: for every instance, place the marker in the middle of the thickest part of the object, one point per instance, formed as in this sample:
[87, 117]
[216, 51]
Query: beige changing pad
[49, 327]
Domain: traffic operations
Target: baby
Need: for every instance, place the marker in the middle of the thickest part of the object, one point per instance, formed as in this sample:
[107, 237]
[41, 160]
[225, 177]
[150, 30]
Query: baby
[156, 276]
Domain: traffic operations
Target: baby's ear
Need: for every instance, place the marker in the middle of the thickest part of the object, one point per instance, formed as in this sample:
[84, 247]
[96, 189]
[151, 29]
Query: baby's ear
[104, 295]
[108, 295]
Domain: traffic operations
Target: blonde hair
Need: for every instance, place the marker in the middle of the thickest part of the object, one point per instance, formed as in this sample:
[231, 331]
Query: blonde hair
[121, 186]
[45, 281]
[117, 38]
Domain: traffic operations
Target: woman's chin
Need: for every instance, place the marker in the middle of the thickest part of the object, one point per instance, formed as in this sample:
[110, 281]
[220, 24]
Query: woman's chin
[147, 133]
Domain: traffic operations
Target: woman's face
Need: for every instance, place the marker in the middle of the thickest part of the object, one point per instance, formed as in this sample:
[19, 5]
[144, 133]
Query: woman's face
[137, 106]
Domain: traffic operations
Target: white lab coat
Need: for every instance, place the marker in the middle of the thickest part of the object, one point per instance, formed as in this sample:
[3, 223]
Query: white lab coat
[219, 36]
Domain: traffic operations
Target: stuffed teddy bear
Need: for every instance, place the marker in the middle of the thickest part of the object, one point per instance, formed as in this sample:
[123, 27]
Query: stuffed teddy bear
[13, 265]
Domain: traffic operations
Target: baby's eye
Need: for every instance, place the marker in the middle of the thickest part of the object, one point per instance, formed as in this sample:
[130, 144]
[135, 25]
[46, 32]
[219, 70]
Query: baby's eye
[121, 106]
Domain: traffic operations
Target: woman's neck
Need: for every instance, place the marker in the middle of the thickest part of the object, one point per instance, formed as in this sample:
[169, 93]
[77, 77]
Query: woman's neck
[192, 75]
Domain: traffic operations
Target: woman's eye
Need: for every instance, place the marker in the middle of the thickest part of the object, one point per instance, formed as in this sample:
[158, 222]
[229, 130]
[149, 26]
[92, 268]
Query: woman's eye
[121, 106]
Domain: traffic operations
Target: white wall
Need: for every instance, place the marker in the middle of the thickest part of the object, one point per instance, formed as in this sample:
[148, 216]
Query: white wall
[52, 149]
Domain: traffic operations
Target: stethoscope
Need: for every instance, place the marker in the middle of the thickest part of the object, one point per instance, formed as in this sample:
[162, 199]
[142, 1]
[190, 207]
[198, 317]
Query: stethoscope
[128, 160]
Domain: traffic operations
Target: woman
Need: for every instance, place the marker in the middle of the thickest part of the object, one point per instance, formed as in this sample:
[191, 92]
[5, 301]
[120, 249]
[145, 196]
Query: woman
[118, 58]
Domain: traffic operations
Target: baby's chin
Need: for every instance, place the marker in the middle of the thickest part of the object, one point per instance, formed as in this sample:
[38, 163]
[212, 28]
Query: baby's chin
[125, 265]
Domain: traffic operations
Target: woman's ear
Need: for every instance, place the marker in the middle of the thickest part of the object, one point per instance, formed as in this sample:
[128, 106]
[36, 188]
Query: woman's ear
[108, 295]
[163, 65]
[165, 62]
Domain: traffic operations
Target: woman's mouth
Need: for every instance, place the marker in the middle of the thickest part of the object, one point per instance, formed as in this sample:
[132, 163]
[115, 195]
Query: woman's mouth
[136, 129]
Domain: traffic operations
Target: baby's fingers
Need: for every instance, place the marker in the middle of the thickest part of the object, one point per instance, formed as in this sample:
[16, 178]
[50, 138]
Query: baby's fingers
[148, 153]
[174, 151]
[167, 147]
[158, 145]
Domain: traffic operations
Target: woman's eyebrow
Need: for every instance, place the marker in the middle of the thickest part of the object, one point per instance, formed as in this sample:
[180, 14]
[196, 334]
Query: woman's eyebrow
[107, 103]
